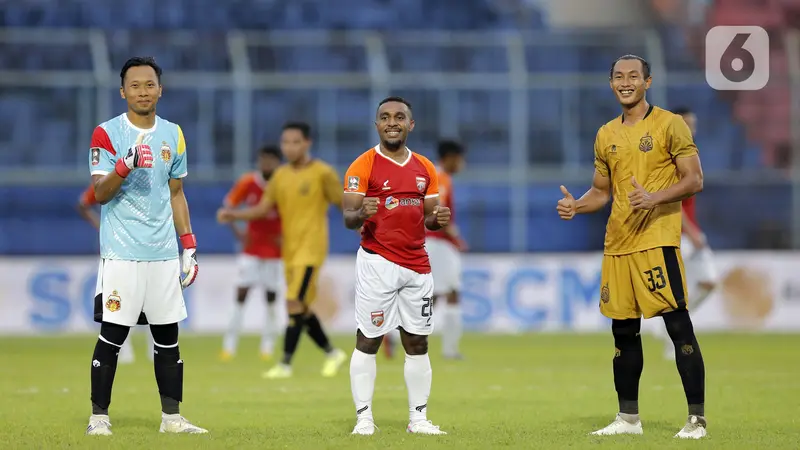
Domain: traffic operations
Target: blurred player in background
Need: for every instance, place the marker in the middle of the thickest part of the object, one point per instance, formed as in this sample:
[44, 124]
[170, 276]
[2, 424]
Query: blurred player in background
[85, 207]
[444, 248]
[642, 272]
[394, 194]
[259, 263]
[138, 161]
[701, 272]
[302, 190]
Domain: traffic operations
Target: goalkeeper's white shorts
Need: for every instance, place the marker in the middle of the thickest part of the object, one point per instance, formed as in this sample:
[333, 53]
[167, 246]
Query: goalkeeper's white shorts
[139, 292]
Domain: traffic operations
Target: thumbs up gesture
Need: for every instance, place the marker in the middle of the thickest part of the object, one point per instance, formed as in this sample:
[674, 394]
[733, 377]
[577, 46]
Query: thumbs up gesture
[639, 197]
[442, 215]
[566, 206]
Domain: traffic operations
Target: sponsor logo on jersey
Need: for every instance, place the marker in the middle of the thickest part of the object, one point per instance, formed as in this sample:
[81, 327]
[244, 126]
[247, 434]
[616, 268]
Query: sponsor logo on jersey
[391, 202]
[95, 155]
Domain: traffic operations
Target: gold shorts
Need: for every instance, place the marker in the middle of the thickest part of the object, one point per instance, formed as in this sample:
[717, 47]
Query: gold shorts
[301, 283]
[646, 283]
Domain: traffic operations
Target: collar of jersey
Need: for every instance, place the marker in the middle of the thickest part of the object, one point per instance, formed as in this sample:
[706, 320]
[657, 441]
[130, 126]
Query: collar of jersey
[141, 130]
[378, 151]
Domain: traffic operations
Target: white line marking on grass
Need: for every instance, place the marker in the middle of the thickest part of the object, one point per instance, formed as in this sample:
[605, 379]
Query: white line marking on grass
[30, 390]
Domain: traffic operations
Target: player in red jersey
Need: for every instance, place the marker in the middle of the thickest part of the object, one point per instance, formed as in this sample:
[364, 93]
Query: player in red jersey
[86, 208]
[394, 194]
[701, 272]
[259, 263]
[444, 247]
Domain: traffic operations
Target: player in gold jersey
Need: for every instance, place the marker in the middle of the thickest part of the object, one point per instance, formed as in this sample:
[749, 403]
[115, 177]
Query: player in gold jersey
[646, 162]
[302, 190]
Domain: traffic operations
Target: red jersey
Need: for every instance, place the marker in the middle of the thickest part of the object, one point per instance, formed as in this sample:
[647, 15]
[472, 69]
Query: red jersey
[445, 199]
[263, 234]
[88, 198]
[397, 231]
[688, 208]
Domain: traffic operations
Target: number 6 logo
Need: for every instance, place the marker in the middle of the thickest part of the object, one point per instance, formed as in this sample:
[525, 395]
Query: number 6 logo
[737, 58]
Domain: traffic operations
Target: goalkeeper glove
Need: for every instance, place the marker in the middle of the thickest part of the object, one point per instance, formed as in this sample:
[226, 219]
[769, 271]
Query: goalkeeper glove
[188, 260]
[138, 156]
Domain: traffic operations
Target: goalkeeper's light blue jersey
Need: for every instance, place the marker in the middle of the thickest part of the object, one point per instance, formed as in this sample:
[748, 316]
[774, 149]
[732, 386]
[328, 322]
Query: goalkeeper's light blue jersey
[136, 225]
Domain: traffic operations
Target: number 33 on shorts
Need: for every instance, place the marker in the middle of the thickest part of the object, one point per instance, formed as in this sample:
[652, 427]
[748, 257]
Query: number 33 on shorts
[644, 283]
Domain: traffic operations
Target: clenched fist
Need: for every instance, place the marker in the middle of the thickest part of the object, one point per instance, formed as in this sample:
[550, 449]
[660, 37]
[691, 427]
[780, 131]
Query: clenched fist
[566, 206]
[369, 208]
[442, 214]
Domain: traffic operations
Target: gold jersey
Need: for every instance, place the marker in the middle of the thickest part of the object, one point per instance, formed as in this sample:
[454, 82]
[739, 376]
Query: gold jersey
[647, 151]
[302, 196]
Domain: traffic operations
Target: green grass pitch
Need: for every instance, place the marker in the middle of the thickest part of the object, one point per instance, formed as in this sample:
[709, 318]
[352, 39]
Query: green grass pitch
[532, 391]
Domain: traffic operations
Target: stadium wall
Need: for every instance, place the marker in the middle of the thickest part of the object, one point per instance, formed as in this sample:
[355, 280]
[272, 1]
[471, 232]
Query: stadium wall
[502, 294]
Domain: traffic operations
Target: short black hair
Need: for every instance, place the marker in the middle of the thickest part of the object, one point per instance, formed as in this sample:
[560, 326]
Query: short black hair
[645, 65]
[302, 127]
[449, 147]
[395, 99]
[682, 110]
[270, 150]
[138, 61]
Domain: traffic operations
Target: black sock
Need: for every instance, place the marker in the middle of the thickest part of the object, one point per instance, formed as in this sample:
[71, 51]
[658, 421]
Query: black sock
[628, 363]
[168, 366]
[689, 359]
[314, 329]
[292, 338]
[104, 367]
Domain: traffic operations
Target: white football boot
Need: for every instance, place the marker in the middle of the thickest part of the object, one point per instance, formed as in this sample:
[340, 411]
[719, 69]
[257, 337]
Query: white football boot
[99, 425]
[365, 428]
[620, 426]
[175, 423]
[695, 428]
[424, 427]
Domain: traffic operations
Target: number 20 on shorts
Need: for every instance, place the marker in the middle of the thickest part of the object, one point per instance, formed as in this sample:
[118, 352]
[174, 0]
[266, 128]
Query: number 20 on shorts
[737, 58]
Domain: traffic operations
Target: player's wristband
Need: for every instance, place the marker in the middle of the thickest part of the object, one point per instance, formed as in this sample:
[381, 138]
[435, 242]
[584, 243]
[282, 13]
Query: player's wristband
[188, 241]
[121, 168]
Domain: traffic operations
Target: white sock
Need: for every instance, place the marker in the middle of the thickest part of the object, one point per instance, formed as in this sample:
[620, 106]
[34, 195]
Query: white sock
[452, 328]
[268, 333]
[418, 375]
[363, 370]
[231, 339]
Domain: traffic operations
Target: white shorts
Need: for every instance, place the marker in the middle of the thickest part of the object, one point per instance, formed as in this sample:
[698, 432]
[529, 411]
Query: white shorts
[255, 271]
[445, 266]
[389, 296]
[699, 264]
[126, 289]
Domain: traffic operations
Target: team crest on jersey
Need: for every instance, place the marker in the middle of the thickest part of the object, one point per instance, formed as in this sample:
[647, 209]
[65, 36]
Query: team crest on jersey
[166, 152]
[95, 155]
[613, 149]
[114, 302]
[377, 318]
[605, 294]
[352, 183]
[421, 183]
[646, 143]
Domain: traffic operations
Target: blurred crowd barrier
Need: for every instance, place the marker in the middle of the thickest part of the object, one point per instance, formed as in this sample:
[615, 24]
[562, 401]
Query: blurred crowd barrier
[758, 291]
